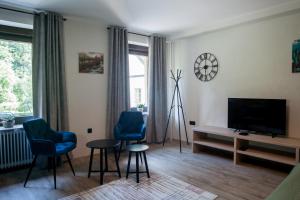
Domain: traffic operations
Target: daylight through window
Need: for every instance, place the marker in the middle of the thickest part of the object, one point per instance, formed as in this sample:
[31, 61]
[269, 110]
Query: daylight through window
[138, 66]
[15, 77]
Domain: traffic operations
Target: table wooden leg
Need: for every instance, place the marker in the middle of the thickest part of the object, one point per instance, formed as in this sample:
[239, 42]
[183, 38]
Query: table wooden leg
[106, 162]
[146, 164]
[128, 165]
[137, 167]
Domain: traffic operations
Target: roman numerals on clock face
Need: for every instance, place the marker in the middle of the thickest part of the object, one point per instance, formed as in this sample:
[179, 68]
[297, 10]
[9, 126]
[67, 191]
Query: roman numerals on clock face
[206, 67]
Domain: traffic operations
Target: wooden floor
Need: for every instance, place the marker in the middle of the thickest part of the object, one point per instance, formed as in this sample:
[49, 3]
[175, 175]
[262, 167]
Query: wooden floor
[216, 174]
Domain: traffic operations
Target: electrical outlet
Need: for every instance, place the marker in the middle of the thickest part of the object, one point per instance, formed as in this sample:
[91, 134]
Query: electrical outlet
[89, 130]
[192, 123]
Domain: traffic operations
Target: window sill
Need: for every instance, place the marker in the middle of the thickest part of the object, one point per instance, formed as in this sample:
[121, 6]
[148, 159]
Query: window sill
[17, 126]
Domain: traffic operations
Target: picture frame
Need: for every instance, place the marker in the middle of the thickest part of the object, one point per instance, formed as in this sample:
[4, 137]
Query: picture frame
[296, 56]
[91, 62]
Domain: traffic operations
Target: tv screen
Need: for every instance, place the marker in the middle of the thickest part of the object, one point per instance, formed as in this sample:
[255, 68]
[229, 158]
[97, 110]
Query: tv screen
[259, 115]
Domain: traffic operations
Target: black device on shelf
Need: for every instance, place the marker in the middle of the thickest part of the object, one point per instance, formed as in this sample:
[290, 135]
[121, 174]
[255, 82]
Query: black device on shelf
[244, 133]
[264, 116]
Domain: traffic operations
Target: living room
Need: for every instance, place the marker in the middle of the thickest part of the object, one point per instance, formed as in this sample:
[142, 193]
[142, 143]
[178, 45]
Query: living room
[178, 67]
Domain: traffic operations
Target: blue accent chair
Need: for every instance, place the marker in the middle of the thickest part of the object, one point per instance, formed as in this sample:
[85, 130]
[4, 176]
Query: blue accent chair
[130, 127]
[45, 141]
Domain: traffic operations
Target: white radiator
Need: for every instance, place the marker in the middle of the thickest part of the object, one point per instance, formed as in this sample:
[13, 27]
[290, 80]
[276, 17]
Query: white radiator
[14, 148]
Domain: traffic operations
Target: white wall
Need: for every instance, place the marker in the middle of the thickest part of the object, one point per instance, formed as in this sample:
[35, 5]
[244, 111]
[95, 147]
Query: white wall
[254, 60]
[86, 92]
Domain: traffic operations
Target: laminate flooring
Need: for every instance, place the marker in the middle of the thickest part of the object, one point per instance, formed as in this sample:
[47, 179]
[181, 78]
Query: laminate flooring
[212, 172]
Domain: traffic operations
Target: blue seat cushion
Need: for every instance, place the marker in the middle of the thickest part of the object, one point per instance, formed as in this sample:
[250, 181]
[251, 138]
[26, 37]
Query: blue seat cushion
[63, 148]
[131, 136]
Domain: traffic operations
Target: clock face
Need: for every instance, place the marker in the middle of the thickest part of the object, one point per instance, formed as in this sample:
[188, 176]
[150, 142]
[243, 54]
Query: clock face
[206, 67]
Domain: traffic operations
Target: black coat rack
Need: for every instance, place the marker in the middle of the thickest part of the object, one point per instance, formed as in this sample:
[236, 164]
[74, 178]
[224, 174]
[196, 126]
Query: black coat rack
[179, 107]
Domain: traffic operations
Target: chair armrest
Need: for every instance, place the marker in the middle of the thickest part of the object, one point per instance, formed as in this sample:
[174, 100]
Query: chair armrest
[43, 147]
[143, 130]
[55, 136]
[68, 136]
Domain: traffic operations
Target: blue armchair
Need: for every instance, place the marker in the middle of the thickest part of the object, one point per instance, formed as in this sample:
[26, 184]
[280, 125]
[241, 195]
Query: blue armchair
[45, 141]
[130, 127]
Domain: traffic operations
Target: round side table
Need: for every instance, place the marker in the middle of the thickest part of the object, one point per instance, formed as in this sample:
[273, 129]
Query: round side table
[103, 145]
[137, 149]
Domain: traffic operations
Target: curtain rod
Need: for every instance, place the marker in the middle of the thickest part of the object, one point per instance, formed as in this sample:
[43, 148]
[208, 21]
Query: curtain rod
[21, 11]
[135, 33]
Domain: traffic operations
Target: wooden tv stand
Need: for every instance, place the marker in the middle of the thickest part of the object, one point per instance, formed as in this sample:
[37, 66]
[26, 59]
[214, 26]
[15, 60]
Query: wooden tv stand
[207, 136]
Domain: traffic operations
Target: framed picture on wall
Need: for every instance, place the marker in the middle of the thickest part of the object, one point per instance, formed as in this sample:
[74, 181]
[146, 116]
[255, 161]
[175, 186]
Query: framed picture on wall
[296, 57]
[91, 62]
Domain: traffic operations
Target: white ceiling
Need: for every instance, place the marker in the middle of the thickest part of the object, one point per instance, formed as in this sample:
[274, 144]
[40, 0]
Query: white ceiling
[178, 18]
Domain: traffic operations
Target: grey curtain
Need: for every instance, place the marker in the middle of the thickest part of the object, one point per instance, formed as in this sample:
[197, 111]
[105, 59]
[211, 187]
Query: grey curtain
[157, 90]
[118, 77]
[48, 65]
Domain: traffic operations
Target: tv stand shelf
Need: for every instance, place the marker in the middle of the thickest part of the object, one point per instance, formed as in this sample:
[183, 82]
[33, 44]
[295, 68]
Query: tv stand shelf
[216, 144]
[204, 136]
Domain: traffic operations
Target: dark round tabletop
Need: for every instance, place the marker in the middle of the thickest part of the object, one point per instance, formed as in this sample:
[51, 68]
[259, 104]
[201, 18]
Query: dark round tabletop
[102, 144]
[137, 147]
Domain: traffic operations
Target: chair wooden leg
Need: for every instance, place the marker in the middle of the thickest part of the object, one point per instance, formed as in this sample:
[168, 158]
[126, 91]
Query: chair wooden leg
[49, 160]
[117, 163]
[69, 160]
[30, 169]
[141, 158]
[54, 170]
[139, 142]
[121, 145]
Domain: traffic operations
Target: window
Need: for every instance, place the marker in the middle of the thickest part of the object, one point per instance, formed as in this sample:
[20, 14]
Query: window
[16, 71]
[138, 66]
[138, 95]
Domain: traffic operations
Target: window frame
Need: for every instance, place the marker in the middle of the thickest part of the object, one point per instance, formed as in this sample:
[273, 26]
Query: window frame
[140, 50]
[19, 35]
[16, 33]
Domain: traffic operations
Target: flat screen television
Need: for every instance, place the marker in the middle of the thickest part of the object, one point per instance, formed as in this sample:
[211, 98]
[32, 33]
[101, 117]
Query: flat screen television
[265, 116]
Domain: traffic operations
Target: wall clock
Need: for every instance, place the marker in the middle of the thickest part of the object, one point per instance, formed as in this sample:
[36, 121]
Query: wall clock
[206, 67]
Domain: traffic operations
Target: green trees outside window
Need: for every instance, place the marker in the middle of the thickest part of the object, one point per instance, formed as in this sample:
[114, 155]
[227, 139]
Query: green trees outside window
[15, 77]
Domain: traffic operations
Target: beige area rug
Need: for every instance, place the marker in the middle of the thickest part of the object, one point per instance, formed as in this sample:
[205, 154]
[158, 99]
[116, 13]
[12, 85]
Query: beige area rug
[156, 188]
